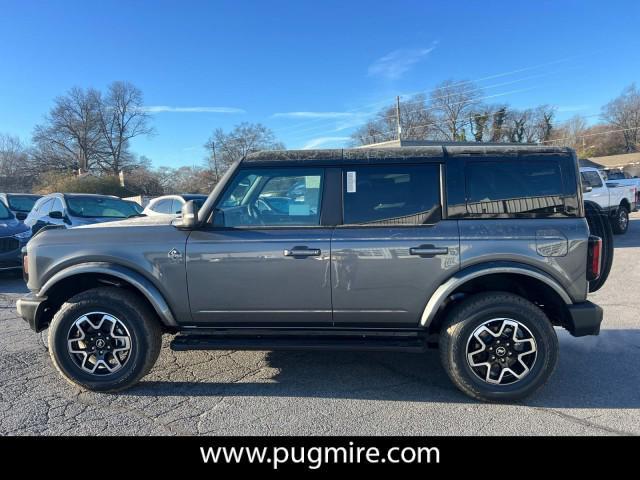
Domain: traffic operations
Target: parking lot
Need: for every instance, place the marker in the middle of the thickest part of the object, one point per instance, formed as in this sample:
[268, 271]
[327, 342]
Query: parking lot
[595, 390]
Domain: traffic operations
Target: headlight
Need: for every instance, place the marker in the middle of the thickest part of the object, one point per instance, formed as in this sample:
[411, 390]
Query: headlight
[23, 236]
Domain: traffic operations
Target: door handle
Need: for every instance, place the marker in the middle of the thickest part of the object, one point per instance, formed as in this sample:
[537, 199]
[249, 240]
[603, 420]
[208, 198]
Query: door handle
[428, 250]
[302, 252]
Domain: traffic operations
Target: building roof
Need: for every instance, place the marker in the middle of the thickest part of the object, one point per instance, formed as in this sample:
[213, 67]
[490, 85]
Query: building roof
[616, 160]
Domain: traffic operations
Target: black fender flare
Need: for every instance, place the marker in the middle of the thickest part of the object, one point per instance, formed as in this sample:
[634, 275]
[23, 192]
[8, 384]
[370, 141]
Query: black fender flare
[479, 270]
[137, 280]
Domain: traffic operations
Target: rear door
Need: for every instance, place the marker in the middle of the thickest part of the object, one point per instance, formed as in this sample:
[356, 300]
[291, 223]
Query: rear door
[394, 247]
[264, 260]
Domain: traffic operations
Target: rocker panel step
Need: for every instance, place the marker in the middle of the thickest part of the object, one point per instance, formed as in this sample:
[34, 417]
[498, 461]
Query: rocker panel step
[403, 343]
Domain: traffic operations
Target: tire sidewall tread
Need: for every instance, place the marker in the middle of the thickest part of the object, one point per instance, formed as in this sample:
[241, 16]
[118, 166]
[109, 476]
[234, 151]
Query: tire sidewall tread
[467, 316]
[144, 329]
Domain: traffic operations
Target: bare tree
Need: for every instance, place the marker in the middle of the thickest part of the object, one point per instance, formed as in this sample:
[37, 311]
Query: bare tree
[479, 123]
[623, 113]
[417, 122]
[70, 136]
[453, 103]
[245, 138]
[498, 119]
[121, 118]
[16, 171]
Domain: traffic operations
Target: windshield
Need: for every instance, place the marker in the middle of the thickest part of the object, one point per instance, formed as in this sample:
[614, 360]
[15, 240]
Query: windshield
[5, 214]
[21, 203]
[100, 207]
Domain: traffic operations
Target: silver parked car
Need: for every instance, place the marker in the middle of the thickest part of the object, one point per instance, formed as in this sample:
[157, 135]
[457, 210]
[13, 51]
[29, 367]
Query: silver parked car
[481, 250]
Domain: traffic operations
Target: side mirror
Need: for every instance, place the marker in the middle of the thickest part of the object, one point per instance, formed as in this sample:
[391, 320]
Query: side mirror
[586, 188]
[189, 216]
[21, 215]
[56, 214]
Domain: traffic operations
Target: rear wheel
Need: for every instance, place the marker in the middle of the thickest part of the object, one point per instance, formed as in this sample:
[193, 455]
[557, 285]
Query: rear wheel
[498, 346]
[620, 222]
[104, 339]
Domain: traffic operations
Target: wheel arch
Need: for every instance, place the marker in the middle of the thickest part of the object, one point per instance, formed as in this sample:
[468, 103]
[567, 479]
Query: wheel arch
[81, 277]
[524, 280]
[626, 204]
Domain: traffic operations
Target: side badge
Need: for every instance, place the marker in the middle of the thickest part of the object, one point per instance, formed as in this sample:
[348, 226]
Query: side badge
[174, 254]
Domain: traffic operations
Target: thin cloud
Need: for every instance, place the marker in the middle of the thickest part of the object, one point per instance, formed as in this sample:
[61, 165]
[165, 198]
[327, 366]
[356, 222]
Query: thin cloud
[167, 108]
[320, 141]
[395, 64]
[328, 115]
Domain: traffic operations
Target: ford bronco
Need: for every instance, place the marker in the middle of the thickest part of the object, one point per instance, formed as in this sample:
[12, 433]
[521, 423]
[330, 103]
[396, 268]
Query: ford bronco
[478, 250]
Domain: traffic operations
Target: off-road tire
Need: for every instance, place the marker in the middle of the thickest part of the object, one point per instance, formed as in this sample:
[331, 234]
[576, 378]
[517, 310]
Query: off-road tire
[465, 317]
[141, 323]
[620, 221]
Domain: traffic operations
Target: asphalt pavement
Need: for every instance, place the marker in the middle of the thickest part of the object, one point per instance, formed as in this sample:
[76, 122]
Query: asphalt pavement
[595, 389]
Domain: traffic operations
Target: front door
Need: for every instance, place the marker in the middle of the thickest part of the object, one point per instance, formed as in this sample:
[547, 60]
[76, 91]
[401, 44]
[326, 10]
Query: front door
[265, 258]
[394, 248]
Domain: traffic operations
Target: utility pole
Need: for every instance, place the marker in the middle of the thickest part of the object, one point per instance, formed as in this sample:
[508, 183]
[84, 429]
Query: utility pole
[215, 163]
[398, 118]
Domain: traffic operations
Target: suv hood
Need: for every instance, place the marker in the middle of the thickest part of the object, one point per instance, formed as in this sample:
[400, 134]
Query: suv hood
[130, 222]
[11, 226]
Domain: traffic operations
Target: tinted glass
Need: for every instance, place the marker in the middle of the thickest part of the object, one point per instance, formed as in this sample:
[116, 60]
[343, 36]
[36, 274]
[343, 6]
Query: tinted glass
[5, 214]
[176, 206]
[45, 208]
[273, 197]
[391, 195]
[591, 179]
[163, 206]
[105, 207]
[22, 203]
[57, 206]
[519, 186]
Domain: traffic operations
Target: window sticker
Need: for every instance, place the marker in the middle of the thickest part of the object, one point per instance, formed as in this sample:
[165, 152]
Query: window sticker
[312, 181]
[351, 182]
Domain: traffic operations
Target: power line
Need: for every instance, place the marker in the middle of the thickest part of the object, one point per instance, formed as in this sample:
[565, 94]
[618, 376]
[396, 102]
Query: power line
[489, 77]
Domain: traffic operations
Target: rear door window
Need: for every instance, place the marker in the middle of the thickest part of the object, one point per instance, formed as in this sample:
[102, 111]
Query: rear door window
[391, 195]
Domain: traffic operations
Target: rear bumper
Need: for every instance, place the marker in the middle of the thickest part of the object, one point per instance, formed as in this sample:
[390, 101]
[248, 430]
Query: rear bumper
[584, 319]
[31, 309]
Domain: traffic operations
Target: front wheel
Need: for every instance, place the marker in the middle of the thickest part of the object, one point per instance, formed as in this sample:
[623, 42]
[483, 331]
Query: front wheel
[104, 339]
[498, 346]
[620, 222]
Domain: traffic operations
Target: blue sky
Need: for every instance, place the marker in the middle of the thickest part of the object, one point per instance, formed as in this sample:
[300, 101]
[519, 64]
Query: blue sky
[311, 71]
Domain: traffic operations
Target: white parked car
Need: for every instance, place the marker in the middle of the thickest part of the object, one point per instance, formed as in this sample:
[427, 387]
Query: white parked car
[172, 204]
[617, 200]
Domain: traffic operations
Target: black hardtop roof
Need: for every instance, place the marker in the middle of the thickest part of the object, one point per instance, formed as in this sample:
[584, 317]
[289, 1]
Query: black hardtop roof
[399, 153]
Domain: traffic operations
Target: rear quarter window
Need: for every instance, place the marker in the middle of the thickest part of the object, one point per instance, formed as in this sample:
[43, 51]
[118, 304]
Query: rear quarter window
[526, 186]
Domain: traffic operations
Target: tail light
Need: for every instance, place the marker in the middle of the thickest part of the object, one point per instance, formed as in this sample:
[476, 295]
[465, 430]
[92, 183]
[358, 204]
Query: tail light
[594, 258]
[25, 264]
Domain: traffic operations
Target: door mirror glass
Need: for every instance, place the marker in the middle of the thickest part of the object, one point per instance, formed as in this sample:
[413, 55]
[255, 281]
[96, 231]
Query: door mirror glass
[586, 188]
[58, 215]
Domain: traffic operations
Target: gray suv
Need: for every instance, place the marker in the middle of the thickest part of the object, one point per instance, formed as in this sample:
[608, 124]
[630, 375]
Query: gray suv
[480, 250]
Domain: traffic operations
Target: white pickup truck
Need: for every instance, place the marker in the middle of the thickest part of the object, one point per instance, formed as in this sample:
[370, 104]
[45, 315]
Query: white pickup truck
[615, 199]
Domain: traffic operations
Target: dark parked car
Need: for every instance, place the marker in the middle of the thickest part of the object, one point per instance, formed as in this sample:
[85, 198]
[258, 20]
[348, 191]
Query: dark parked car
[13, 236]
[75, 209]
[480, 250]
[20, 204]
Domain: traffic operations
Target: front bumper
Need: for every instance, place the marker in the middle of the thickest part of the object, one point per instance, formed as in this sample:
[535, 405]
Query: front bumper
[32, 309]
[12, 259]
[584, 319]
